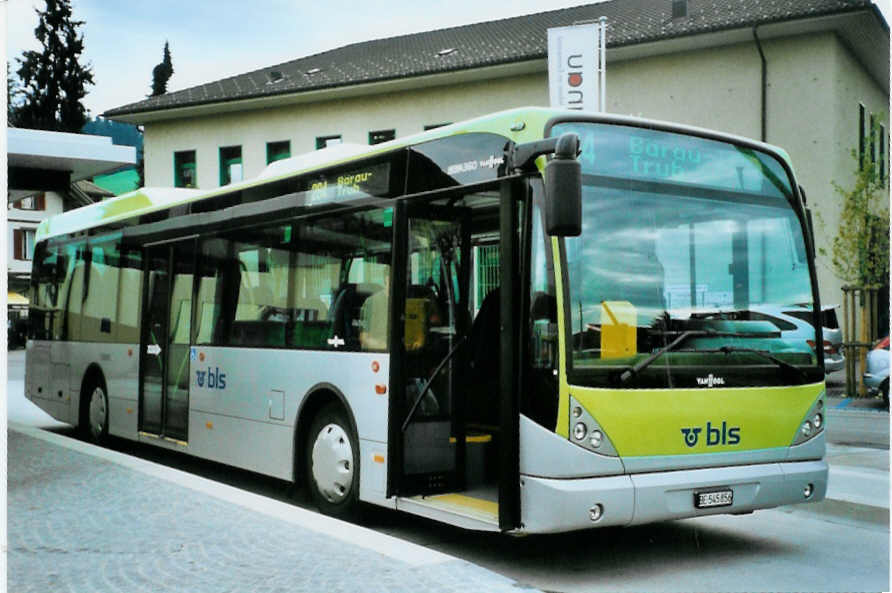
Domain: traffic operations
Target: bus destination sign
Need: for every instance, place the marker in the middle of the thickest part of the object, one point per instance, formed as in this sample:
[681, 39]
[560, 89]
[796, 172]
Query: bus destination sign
[372, 180]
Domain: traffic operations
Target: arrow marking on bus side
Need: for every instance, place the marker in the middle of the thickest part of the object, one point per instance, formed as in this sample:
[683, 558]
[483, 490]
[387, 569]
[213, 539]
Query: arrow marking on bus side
[153, 349]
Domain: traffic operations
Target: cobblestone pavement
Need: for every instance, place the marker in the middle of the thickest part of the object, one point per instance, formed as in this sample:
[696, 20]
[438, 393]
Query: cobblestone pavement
[78, 522]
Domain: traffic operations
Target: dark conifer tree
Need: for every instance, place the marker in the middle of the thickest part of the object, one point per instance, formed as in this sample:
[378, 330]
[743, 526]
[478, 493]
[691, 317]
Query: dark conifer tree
[12, 92]
[162, 73]
[53, 80]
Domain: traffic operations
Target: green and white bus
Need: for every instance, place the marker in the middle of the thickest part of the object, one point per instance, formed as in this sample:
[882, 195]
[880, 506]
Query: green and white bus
[535, 321]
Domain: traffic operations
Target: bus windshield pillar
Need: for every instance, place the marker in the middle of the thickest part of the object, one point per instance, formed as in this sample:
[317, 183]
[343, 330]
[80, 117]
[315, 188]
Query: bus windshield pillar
[509, 450]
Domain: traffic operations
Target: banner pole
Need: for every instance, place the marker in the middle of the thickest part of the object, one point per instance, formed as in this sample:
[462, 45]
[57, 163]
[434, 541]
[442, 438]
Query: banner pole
[602, 54]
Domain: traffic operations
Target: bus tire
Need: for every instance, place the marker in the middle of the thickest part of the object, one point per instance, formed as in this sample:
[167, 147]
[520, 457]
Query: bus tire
[96, 420]
[332, 462]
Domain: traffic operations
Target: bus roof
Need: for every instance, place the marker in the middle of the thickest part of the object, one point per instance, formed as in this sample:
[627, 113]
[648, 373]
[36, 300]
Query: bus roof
[506, 123]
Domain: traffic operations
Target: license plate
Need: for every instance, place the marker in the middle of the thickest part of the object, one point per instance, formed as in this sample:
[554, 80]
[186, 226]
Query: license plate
[714, 498]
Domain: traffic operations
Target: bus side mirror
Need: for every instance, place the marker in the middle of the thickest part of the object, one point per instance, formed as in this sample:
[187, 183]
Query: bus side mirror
[563, 189]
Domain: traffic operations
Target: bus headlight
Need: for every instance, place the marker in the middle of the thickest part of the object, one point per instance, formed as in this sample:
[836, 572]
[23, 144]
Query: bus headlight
[818, 421]
[579, 431]
[806, 428]
[595, 439]
[577, 412]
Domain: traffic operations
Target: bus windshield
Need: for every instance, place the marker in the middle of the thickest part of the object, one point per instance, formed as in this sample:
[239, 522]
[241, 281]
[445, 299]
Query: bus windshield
[684, 240]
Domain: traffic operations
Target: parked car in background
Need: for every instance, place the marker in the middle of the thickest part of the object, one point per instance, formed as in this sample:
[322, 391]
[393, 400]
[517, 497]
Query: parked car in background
[876, 376]
[795, 323]
[834, 359]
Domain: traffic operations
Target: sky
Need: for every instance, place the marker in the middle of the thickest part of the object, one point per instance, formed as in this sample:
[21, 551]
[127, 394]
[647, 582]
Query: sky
[213, 39]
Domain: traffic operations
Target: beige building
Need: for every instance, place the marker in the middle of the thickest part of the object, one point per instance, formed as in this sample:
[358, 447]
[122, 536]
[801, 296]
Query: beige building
[807, 75]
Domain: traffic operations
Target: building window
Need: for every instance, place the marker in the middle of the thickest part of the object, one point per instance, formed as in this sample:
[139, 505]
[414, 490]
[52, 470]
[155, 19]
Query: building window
[184, 169]
[435, 126]
[679, 9]
[230, 164]
[862, 120]
[325, 141]
[276, 151]
[36, 202]
[23, 244]
[882, 155]
[380, 136]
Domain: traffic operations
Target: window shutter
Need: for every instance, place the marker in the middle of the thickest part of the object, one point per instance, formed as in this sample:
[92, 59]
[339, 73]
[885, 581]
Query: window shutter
[40, 201]
[17, 240]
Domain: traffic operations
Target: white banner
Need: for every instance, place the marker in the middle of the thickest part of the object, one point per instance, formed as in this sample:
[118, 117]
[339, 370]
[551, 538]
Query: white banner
[576, 66]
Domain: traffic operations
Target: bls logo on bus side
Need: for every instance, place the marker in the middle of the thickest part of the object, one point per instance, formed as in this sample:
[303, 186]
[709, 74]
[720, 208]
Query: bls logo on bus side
[714, 435]
[213, 378]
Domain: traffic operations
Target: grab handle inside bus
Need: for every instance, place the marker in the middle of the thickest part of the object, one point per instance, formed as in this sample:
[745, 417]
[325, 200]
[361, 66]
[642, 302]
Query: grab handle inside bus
[563, 189]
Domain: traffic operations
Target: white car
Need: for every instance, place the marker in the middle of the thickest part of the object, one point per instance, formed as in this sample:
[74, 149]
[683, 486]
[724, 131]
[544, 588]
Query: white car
[876, 376]
[795, 322]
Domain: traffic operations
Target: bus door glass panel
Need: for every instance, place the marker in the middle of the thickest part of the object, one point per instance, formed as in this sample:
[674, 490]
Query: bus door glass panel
[434, 337]
[179, 330]
[153, 349]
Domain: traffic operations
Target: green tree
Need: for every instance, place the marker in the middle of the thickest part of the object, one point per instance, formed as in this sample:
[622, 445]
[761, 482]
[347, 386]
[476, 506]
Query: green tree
[12, 93]
[860, 249]
[53, 80]
[162, 73]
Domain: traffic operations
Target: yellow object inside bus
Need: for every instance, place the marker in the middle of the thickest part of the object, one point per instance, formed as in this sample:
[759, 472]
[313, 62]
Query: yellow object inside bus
[619, 338]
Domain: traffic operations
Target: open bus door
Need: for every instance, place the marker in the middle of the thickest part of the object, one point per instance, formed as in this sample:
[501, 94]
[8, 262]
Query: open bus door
[453, 416]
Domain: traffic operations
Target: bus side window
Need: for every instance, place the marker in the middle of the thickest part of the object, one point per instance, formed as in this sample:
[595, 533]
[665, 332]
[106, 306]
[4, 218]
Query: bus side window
[314, 278]
[218, 274]
[343, 262]
[100, 304]
[129, 295]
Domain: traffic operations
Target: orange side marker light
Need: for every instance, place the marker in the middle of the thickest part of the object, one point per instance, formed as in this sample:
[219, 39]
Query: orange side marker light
[380, 389]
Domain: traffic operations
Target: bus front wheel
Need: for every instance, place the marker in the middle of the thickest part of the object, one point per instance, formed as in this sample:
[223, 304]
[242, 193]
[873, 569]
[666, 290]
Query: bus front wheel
[332, 462]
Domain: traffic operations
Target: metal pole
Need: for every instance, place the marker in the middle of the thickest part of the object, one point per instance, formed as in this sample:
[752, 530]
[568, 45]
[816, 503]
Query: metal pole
[847, 339]
[602, 54]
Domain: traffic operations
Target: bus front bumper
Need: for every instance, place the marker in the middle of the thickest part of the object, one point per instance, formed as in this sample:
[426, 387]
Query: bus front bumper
[555, 505]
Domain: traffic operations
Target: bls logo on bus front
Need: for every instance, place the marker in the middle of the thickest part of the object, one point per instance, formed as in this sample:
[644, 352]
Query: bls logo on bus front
[714, 436]
[214, 379]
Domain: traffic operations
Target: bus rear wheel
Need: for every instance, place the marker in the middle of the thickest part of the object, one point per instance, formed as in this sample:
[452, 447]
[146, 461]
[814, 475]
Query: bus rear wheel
[332, 455]
[97, 414]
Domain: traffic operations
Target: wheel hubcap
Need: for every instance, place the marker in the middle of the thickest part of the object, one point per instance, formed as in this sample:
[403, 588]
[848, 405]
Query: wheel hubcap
[97, 412]
[333, 463]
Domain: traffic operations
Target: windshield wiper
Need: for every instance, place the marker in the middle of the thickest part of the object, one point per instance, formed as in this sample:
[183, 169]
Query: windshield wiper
[778, 361]
[696, 333]
[637, 368]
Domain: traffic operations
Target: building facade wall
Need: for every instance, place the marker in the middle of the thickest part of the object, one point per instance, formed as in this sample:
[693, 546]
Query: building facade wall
[814, 86]
[19, 270]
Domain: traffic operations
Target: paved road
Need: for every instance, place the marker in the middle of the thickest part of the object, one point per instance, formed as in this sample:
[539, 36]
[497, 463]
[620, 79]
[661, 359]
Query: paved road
[91, 520]
[832, 546]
